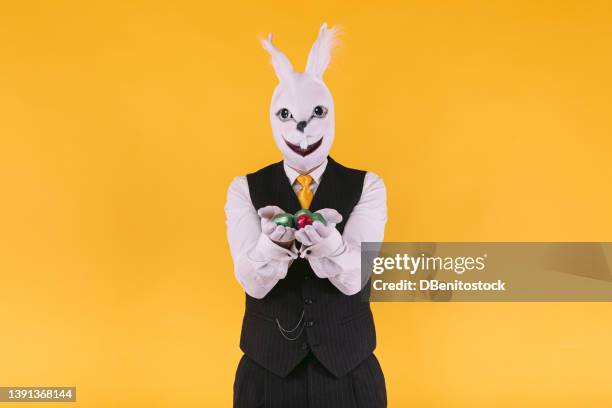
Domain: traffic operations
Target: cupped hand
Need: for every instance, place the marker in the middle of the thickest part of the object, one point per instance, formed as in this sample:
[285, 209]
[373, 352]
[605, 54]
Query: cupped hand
[279, 234]
[317, 232]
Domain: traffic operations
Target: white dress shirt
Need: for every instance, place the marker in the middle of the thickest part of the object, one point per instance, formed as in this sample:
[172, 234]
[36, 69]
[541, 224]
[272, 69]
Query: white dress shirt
[260, 263]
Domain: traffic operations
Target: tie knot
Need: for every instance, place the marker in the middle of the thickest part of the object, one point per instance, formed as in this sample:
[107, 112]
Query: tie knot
[304, 180]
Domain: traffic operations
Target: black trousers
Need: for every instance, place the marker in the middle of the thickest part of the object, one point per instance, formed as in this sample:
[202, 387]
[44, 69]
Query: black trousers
[309, 385]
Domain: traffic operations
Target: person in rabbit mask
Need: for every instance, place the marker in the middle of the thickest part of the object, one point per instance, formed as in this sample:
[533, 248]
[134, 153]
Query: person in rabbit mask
[308, 332]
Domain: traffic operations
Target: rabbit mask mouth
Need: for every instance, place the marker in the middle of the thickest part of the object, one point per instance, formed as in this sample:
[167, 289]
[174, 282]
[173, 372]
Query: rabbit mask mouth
[304, 152]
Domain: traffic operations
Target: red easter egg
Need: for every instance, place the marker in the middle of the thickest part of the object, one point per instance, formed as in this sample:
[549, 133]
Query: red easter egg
[303, 221]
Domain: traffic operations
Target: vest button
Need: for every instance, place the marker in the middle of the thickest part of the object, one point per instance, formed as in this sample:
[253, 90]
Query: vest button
[308, 301]
[309, 323]
[304, 346]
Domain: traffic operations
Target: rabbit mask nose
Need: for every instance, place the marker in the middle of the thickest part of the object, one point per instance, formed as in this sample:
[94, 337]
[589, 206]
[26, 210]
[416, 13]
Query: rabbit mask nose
[301, 125]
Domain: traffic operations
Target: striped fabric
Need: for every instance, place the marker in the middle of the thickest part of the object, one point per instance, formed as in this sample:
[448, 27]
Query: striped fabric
[309, 385]
[335, 333]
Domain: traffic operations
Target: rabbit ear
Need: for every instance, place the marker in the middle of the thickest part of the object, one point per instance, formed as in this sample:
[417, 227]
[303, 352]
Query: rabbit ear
[320, 53]
[280, 62]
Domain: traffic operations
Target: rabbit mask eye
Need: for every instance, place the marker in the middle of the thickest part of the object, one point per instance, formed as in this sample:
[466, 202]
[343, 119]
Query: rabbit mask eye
[319, 111]
[284, 115]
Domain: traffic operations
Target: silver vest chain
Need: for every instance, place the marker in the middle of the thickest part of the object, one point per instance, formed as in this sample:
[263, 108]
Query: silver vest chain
[286, 333]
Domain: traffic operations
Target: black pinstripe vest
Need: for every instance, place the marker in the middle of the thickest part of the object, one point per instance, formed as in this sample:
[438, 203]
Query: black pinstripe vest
[338, 329]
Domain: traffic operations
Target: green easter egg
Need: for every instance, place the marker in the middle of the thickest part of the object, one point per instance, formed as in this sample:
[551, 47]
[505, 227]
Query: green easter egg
[285, 220]
[318, 217]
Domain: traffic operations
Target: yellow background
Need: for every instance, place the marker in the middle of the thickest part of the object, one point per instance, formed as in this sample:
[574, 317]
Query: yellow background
[123, 122]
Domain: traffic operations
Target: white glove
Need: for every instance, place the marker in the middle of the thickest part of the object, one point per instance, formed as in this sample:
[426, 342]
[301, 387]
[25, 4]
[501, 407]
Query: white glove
[322, 239]
[278, 234]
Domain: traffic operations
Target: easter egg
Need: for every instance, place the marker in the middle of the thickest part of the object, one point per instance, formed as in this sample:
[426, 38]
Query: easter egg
[300, 212]
[318, 217]
[285, 220]
[303, 221]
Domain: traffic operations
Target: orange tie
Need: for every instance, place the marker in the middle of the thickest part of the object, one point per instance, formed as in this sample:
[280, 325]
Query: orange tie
[304, 195]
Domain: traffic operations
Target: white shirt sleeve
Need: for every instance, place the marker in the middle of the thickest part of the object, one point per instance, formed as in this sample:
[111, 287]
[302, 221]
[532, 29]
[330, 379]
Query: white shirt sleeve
[338, 258]
[259, 263]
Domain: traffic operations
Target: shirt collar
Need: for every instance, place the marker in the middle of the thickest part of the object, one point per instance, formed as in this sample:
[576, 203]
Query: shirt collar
[316, 174]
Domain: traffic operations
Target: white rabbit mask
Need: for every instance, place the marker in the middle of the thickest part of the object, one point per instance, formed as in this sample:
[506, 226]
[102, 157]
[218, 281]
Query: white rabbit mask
[302, 108]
